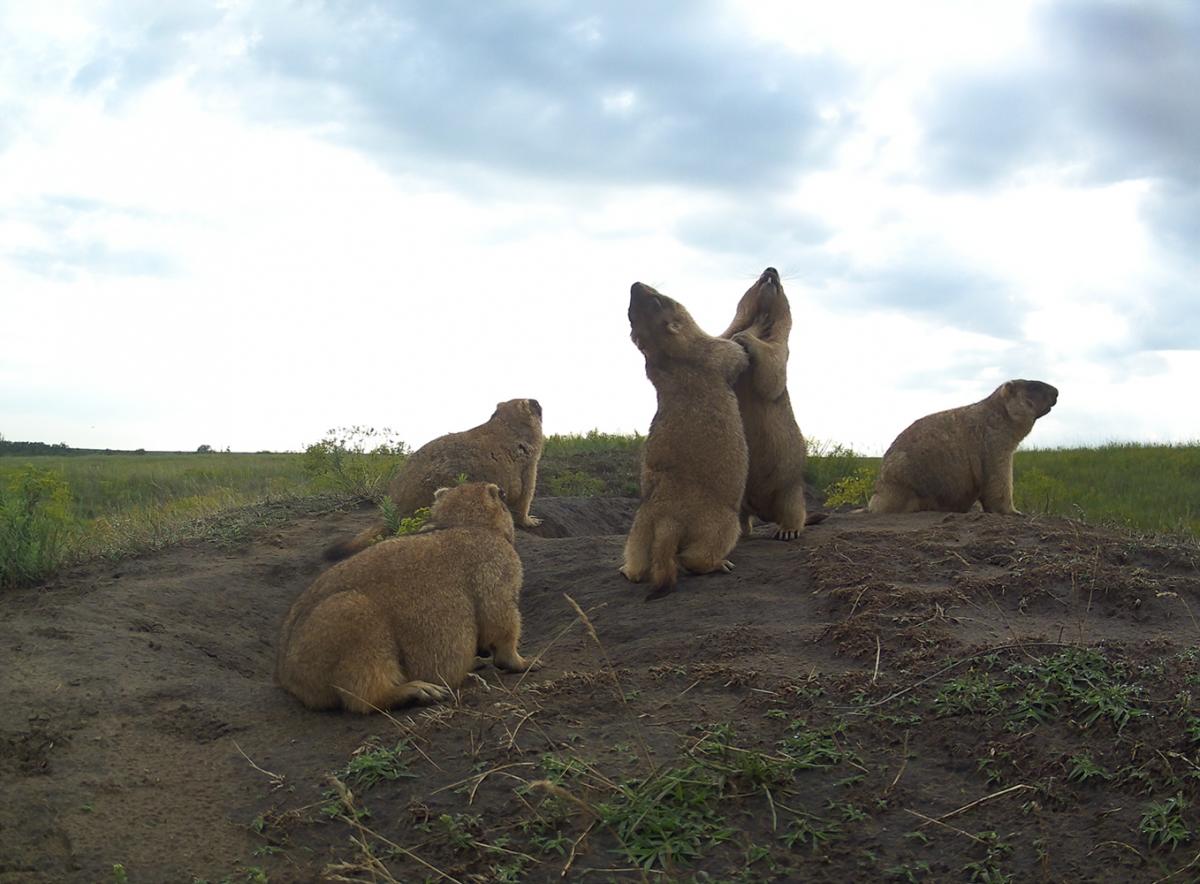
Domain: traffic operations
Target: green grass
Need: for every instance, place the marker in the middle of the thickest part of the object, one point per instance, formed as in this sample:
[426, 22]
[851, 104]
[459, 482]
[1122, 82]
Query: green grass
[1144, 487]
[830, 464]
[102, 485]
[57, 508]
[591, 442]
[593, 464]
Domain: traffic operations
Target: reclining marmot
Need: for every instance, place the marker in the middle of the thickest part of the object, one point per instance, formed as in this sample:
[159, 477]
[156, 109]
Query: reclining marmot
[402, 621]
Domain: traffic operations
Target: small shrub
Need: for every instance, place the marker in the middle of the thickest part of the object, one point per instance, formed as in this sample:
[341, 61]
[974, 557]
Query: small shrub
[852, 490]
[355, 461]
[830, 462]
[35, 525]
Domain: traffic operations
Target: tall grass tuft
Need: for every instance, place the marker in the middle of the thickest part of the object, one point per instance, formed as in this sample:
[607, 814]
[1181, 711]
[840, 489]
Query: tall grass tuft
[36, 525]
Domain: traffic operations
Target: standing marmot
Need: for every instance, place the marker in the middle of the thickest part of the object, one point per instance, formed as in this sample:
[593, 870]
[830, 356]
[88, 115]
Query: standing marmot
[775, 484]
[505, 450]
[403, 621]
[949, 460]
[694, 462]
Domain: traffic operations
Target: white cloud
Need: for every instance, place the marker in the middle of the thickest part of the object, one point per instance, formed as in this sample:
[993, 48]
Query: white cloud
[239, 240]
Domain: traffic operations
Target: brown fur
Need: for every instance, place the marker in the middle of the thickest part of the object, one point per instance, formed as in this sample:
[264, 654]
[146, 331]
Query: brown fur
[951, 459]
[775, 483]
[694, 462]
[505, 451]
[402, 621]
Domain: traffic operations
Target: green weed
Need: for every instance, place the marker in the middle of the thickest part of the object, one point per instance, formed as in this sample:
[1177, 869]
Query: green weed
[811, 832]
[987, 870]
[852, 490]
[1163, 825]
[458, 829]
[973, 692]
[667, 818]
[815, 747]
[354, 461]
[36, 525]
[830, 463]
[1081, 768]
[370, 764]
[1085, 680]
[398, 524]
[907, 873]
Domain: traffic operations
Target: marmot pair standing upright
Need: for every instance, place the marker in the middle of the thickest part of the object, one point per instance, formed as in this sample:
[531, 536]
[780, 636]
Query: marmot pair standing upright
[723, 445]
[505, 450]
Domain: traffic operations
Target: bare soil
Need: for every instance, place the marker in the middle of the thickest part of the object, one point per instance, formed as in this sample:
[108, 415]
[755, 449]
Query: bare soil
[924, 697]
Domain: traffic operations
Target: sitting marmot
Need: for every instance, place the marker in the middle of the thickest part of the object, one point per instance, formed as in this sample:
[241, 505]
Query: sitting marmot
[948, 460]
[505, 450]
[694, 462]
[402, 621]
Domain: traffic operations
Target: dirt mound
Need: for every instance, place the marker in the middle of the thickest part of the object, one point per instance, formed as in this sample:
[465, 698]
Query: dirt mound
[583, 516]
[940, 697]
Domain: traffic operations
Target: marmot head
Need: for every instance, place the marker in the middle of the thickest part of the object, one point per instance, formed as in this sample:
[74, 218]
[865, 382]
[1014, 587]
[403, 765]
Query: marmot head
[1026, 401]
[472, 505]
[658, 326]
[519, 412]
[765, 307]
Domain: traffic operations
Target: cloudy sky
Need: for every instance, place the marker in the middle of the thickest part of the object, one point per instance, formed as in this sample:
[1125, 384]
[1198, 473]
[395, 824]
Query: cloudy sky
[242, 223]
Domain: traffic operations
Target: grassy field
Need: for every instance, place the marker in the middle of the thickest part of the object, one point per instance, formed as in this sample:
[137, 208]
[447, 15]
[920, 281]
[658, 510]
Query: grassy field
[55, 509]
[58, 508]
[1152, 488]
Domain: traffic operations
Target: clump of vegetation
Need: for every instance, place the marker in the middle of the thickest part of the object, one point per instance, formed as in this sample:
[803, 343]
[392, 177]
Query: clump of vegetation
[1040, 493]
[398, 524]
[36, 525]
[832, 467]
[854, 489]
[355, 461]
[1163, 823]
[372, 763]
[593, 464]
[575, 483]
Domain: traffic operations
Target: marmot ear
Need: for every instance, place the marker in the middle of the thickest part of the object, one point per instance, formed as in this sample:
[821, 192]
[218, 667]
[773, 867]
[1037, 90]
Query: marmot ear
[1007, 389]
[439, 493]
[674, 327]
[496, 491]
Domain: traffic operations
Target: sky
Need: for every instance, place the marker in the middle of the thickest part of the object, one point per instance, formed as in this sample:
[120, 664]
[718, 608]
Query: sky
[243, 224]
